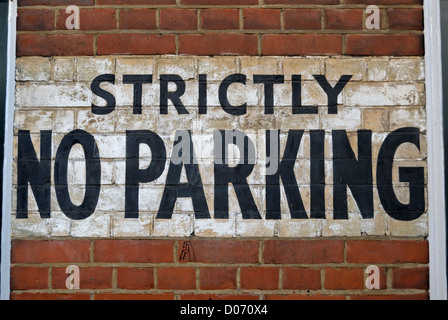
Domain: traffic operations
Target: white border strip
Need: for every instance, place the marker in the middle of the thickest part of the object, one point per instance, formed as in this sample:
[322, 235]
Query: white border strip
[7, 164]
[436, 183]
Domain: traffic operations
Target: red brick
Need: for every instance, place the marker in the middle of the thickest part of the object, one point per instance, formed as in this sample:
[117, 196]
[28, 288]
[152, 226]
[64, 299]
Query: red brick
[178, 19]
[35, 20]
[419, 296]
[405, 19]
[301, 279]
[26, 278]
[55, 2]
[138, 19]
[301, 44]
[220, 19]
[387, 251]
[135, 2]
[383, 278]
[260, 19]
[385, 2]
[221, 251]
[218, 2]
[135, 278]
[385, 45]
[303, 19]
[317, 297]
[218, 44]
[90, 19]
[90, 278]
[148, 44]
[138, 251]
[411, 278]
[194, 297]
[176, 278]
[54, 45]
[344, 19]
[303, 251]
[131, 297]
[51, 251]
[217, 278]
[49, 296]
[344, 279]
[259, 278]
[300, 2]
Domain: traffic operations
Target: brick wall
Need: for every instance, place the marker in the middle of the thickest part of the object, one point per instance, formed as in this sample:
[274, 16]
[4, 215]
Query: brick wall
[219, 269]
[189, 258]
[240, 27]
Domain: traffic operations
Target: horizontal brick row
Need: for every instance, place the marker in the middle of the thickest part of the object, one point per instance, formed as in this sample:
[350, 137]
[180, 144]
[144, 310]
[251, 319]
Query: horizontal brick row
[215, 2]
[216, 278]
[270, 252]
[216, 19]
[219, 269]
[220, 44]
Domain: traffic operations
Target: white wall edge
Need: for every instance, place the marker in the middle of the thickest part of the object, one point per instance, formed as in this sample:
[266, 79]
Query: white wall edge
[436, 182]
[7, 163]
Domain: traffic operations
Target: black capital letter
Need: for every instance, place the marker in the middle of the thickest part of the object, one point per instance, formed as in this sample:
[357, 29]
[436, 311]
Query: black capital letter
[414, 175]
[174, 96]
[37, 173]
[352, 172]
[93, 175]
[134, 175]
[269, 81]
[224, 87]
[137, 81]
[175, 189]
[331, 92]
[286, 172]
[109, 97]
[297, 107]
[235, 175]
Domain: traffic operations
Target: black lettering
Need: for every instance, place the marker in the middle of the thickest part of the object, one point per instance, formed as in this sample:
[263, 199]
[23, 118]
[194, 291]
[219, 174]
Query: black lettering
[193, 189]
[297, 107]
[331, 92]
[202, 101]
[415, 176]
[174, 96]
[286, 172]
[36, 173]
[317, 174]
[269, 81]
[109, 97]
[352, 172]
[224, 87]
[137, 81]
[224, 174]
[135, 175]
[93, 175]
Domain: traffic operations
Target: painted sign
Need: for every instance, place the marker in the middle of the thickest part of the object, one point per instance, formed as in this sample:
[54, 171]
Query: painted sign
[182, 141]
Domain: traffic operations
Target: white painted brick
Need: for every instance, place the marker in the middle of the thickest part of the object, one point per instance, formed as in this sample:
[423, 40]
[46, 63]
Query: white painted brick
[183, 67]
[97, 225]
[335, 68]
[409, 69]
[141, 227]
[53, 95]
[217, 68]
[88, 68]
[306, 67]
[383, 94]
[64, 69]
[33, 69]
[181, 225]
